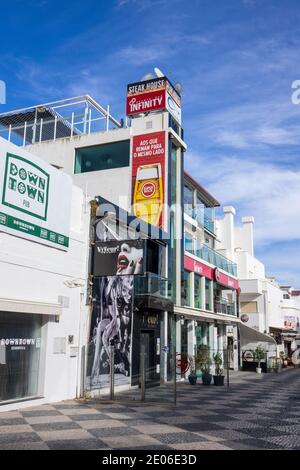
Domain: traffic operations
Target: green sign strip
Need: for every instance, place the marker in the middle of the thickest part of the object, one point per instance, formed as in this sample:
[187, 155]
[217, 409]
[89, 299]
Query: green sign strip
[32, 229]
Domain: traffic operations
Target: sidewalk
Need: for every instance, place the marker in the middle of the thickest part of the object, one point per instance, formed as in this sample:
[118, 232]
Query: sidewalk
[255, 412]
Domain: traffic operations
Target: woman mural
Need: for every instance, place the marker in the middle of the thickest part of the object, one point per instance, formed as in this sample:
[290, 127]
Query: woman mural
[112, 313]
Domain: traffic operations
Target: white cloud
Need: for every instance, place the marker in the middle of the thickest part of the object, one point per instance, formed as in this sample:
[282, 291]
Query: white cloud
[269, 192]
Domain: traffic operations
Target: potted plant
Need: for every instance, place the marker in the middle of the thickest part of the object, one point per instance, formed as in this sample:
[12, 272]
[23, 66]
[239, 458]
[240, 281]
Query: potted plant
[203, 361]
[218, 361]
[259, 355]
[282, 357]
[277, 366]
[192, 375]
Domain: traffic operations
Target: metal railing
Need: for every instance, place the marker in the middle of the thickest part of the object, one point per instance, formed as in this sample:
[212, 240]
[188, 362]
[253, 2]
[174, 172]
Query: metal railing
[224, 306]
[152, 284]
[199, 215]
[213, 257]
[60, 119]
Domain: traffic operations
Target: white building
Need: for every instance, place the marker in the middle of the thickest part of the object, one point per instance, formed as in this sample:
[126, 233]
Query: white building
[85, 141]
[264, 305]
[43, 313]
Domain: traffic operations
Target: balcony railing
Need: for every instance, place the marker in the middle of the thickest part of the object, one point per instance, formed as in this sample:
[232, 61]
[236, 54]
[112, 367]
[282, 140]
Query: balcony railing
[65, 118]
[200, 216]
[152, 284]
[223, 306]
[211, 256]
[209, 224]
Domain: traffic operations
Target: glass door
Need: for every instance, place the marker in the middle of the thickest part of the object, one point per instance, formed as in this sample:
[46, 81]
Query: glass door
[20, 343]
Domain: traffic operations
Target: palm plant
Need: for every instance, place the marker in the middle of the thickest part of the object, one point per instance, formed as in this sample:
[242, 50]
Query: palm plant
[203, 359]
[217, 357]
[259, 354]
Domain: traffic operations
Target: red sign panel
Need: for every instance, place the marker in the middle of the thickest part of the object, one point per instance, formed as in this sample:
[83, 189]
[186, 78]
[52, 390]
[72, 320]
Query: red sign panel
[148, 176]
[202, 269]
[145, 102]
[191, 264]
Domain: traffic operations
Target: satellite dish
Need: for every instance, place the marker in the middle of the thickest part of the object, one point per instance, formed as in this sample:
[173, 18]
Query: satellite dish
[148, 76]
[158, 72]
[178, 87]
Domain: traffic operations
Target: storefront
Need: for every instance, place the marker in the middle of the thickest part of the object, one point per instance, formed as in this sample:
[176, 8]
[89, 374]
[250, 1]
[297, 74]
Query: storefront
[131, 305]
[20, 346]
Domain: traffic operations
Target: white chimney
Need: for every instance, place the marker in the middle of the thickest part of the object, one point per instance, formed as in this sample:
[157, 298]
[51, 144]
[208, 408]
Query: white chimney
[248, 234]
[228, 231]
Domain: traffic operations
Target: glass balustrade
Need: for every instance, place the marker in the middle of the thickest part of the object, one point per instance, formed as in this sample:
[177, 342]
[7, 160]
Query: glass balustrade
[152, 284]
[200, 216]
[211, 256]
[223, 306]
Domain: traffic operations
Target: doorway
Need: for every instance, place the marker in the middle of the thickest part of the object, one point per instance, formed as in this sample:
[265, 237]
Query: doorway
[147, 346]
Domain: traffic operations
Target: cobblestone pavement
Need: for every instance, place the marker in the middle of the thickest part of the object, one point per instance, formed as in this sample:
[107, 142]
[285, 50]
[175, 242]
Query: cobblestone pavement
[256, 412]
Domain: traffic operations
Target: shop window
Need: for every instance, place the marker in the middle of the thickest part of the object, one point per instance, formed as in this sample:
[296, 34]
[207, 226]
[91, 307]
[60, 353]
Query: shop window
[208, 296]
[155, 257]
[198, 334]
[20, 343]
[197, 292]
[185, 289]
[102, 157]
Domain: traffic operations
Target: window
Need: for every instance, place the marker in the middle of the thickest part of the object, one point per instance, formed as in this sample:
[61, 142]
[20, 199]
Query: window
[188, 242]
[208, 296]
[197, 291]
[249, 307]
[188, 200]
[20, 343]
[102, 157]
[200, 210]
[155, 258]
[185, 289]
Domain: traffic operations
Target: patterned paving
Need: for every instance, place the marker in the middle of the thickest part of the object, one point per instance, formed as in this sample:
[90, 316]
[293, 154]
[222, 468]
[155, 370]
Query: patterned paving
[254, 413]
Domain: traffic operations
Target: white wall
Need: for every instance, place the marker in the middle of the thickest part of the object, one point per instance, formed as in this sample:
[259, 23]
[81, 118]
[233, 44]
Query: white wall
[249, 267]
[109, 184]
[61, 152]
[37, 273]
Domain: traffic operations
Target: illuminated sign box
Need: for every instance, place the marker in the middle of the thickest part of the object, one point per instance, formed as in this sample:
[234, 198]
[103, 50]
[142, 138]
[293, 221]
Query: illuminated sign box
[156, 94]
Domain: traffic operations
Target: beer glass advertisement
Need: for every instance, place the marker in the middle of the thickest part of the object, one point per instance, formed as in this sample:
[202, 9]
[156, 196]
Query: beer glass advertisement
[148, 176]
[118, 258]
[111, 321]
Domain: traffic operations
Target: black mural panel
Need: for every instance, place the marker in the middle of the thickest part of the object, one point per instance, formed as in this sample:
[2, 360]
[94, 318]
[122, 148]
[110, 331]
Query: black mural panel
[111, 320]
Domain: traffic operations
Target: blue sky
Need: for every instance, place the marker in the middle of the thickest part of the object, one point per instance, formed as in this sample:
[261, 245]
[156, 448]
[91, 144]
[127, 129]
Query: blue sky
[236, 60]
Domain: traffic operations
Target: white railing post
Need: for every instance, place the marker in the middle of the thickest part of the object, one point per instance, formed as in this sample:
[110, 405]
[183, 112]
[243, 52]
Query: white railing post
[72, 124]
[9, 133]
[24, 135]
[41, 130]
[55, 126]
[90, 119]
[86, 110]
[34, 130]
[107, 118]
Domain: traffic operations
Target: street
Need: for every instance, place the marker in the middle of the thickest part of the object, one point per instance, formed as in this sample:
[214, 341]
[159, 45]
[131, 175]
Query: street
[256, 412]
